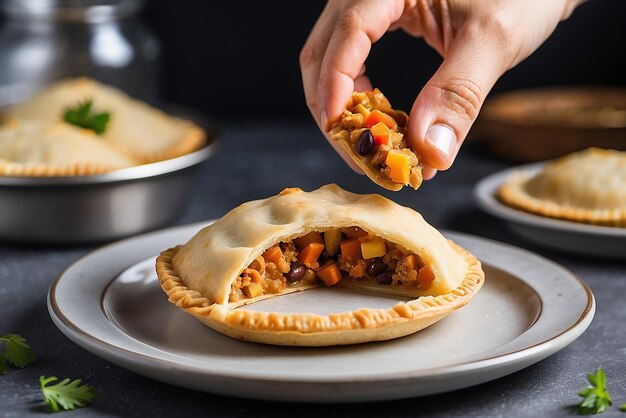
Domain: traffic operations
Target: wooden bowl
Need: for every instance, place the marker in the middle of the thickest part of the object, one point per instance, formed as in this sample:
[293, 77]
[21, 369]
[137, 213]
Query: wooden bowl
[538, 124]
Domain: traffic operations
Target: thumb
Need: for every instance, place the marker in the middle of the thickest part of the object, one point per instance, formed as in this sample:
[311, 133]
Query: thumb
[448, 105]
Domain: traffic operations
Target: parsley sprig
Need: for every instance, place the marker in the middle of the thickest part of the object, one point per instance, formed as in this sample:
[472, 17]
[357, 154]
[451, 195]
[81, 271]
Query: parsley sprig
[596, 398]
[84, 116]
[18, 352]
[66, 394]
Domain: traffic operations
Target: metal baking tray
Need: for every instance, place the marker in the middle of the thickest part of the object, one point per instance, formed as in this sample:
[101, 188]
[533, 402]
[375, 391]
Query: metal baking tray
[103, 207]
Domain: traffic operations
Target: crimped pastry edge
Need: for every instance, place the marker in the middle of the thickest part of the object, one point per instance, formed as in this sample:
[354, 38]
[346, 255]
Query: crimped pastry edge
[351, 327]
[512, 193]
[44, 170]
[193, 139]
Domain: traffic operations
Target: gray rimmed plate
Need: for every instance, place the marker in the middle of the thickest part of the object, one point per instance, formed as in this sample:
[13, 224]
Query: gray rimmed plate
[110, 303]
[579, 238]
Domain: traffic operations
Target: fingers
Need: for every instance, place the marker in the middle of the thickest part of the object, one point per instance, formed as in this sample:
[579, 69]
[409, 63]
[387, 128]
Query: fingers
[448, 105]
[356, 29]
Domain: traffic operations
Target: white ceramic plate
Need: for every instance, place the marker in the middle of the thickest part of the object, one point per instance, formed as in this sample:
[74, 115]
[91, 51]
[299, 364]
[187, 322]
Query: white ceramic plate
[110, 303]
[590, 240]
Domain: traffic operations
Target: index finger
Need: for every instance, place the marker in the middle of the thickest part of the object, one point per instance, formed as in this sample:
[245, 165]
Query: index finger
[357, 28]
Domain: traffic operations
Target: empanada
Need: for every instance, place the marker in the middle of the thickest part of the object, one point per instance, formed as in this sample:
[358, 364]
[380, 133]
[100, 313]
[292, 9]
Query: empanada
[586, 186]
[136, 128]
[31, 148]
[296, 241]
[373, 134]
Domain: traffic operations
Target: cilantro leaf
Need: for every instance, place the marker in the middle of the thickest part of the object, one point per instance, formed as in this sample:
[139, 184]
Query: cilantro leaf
[623, 407]
[82, 115]
[66, 395]
[18, 351]
[596, 398]
[3, 367]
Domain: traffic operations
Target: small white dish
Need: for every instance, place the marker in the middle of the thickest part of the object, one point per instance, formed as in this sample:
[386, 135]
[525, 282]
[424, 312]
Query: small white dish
[109, 302]
[579, 238]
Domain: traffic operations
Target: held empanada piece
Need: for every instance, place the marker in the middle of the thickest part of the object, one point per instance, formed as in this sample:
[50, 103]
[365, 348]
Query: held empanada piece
[297, 240]
[31, 148]
[143, 132]
[373, 134]
[586, 186]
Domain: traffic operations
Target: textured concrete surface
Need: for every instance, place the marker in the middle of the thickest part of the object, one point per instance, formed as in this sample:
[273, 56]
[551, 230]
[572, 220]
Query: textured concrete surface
[259, 160]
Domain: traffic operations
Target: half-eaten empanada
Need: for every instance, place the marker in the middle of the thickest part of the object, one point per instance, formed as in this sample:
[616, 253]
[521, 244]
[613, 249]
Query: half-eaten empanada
[328, 237]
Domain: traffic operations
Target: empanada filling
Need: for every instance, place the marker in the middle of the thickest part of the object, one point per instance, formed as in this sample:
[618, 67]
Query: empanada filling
[377, 132]
[327, 258]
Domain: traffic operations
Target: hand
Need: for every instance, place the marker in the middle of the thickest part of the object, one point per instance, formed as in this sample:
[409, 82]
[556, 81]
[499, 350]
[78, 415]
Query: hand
[479, 41]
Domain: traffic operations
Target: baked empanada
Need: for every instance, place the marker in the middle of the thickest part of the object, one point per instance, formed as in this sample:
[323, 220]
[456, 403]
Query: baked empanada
[30, 148]
[136, 128]
[328, 237]
[587, 186]
[372, 133]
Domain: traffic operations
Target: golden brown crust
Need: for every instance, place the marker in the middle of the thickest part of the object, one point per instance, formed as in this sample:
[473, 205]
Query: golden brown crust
[42, 170]
[584, 187]
[351, 327]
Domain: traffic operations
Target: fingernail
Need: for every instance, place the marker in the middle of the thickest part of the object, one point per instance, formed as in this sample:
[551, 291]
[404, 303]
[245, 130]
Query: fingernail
[323, 120]
[442, 139]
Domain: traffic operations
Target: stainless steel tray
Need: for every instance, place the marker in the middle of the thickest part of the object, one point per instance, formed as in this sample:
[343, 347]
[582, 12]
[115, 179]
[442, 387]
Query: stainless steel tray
[104, 207]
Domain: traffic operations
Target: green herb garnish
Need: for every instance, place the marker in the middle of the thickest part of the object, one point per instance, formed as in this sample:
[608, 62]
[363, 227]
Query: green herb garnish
[66, 394]
[596, 398]
[18, 352]
[623, 407]
[83, 115]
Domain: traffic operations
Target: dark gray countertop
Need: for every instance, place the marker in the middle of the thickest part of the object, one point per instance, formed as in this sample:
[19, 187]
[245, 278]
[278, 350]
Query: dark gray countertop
[258, 160]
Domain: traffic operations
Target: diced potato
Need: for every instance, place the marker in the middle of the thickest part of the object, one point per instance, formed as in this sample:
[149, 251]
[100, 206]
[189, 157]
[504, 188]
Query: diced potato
[351, 249]
[399, 169]
[303, 241]
[411, 261]
[373, 248]
[311, 253]
[329, 274]
[332, 240]
[425, 277]
[376, 116]
[253, 290]
[273, 255]
[361, 109]
[380, 131]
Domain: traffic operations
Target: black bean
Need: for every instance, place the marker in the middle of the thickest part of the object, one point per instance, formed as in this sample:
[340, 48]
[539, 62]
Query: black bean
[365, 143]
[376, 267]
[296, 272]
[385, 277]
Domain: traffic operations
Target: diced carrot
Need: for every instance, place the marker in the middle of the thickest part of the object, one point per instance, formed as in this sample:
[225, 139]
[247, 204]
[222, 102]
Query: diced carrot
[303, 241]
[351, 249]
[311, 253]
[354, 232]
[329, 274]
[380, 131]
[273, 254]
[376, 116]
[399, 169]
[425, 277]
